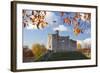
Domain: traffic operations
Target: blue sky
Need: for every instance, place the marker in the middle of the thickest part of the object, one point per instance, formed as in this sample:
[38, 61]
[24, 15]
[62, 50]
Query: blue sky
[55, 21]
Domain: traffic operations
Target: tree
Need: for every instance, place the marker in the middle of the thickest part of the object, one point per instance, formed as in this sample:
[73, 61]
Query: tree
[38, 50]
[79, 46]
[44, 49]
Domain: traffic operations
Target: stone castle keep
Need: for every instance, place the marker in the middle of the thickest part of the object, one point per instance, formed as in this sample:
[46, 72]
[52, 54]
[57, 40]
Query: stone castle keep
[58, 43]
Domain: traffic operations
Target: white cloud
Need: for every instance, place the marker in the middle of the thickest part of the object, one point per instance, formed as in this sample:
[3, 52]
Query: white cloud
[85, 43]
[50, 17]
[49, 14]
[30, 26]
[60, 28]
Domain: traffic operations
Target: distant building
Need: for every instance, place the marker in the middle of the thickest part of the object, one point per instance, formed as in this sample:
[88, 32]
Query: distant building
[61, 43]
[28, 56]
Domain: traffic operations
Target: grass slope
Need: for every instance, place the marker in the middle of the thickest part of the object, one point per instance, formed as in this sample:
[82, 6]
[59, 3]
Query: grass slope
[58, 56]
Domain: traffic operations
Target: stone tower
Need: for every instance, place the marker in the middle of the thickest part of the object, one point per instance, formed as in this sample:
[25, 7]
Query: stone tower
[61, 43]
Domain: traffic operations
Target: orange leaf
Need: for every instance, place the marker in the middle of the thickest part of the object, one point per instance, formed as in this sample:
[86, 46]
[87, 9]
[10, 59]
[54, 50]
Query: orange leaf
[67, 20]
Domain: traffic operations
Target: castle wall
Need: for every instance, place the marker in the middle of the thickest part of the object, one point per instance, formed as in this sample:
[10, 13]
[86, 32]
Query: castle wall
[61, 43]
[54, 43]
[73, 45]
[49, 43]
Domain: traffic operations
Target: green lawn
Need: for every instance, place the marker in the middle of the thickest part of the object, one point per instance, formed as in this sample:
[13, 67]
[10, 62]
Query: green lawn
[58, 56]
[67, 56]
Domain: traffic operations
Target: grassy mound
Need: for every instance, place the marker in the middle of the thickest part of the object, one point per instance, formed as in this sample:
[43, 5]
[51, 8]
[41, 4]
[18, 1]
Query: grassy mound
[58, 56]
